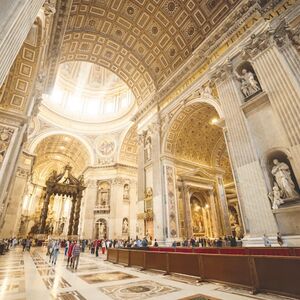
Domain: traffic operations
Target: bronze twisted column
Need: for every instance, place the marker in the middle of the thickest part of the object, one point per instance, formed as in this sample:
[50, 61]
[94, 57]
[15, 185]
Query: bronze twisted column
[77, 214]
[44, 213]
[71, 221]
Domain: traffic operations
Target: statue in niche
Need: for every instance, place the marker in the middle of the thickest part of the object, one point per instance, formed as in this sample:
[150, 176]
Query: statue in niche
[282, 175]
[275, 197]
[104, 198]
[102, 229]
[148, 148]
[249, 85]
[125, 225]
[126, 192]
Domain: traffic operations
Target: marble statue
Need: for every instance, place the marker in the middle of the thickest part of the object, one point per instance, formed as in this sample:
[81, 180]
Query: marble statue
[275, 197]
[249, 85]
[126, 192]
[125, 226]
[148, 149]
[101, 229]
[282, 175]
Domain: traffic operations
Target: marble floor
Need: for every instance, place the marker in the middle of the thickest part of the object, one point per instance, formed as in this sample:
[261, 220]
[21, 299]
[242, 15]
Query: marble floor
[30, 276]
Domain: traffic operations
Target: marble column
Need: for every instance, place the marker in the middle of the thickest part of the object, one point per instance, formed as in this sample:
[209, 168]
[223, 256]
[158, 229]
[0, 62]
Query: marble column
[14, 208]
[277, 65]
[252, 187]
[16, 19]
[223, 207]
[117, 213]
[171, 202]
[133, 209]
[89, 202]
[215, 218]
[159, 222]
[187, 210]
[140, 205]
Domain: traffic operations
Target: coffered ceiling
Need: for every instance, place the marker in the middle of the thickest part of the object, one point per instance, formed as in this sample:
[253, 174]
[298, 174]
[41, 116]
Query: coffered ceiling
[142, 41]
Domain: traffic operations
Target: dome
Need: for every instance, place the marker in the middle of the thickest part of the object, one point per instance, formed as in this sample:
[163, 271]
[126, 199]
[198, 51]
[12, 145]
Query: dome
[89, 93]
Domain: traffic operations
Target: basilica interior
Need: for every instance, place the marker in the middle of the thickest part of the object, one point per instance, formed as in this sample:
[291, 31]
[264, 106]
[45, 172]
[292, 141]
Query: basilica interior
[164, 120]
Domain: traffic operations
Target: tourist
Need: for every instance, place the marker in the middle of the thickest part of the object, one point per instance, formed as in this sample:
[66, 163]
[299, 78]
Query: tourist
[49, 247]
[103, 246]
[54, 254]
[70, 259]
[193, 242]
[155, 243]
[75, 255]
[266, 241]
[279, 239]
[23, 244]
[93, 247]
[83, 245]
[67, 247]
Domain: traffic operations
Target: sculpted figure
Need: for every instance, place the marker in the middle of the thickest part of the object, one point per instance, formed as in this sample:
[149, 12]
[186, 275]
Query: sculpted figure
[148, 149]
[249, 85]
[275, 197]
[282, 174]
[125, 226]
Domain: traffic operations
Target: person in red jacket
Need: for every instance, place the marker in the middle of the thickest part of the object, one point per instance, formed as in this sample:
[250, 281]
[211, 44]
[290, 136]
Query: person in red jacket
[70, 253]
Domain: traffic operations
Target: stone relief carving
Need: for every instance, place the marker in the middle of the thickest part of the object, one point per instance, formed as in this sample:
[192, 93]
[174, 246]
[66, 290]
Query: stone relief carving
[249, 85]
[283, 180]
[5, 138]
[106, 147]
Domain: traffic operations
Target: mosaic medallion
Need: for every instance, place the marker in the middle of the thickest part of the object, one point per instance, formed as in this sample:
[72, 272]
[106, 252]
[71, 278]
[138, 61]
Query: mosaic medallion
[138, 290]
[102, 277]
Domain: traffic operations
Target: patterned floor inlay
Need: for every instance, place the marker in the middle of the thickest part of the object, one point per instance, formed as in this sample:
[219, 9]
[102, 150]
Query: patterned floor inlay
[247, 293]
[103, 277]
[73, 295]
[138, 290]
[46, 272]
[55, 282]
[11, 286]
[14, 274]
[199, 297]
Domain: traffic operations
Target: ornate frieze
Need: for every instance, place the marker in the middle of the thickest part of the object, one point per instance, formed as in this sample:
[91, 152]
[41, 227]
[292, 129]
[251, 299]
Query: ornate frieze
[23, 173]
[5, 138]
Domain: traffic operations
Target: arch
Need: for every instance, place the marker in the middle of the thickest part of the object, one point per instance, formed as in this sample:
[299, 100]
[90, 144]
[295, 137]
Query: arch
[101, 229]
[213, 102]
[200, 112]
[128, 150]
[54, 152]
[35, 141]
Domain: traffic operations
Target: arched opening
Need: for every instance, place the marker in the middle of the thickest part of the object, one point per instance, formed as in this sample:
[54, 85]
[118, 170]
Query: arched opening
[101, 229]
[196, 146]
[201, 215]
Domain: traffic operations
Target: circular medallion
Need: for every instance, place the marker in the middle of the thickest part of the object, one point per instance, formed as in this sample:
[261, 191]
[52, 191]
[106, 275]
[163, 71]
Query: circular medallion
[106, 146]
